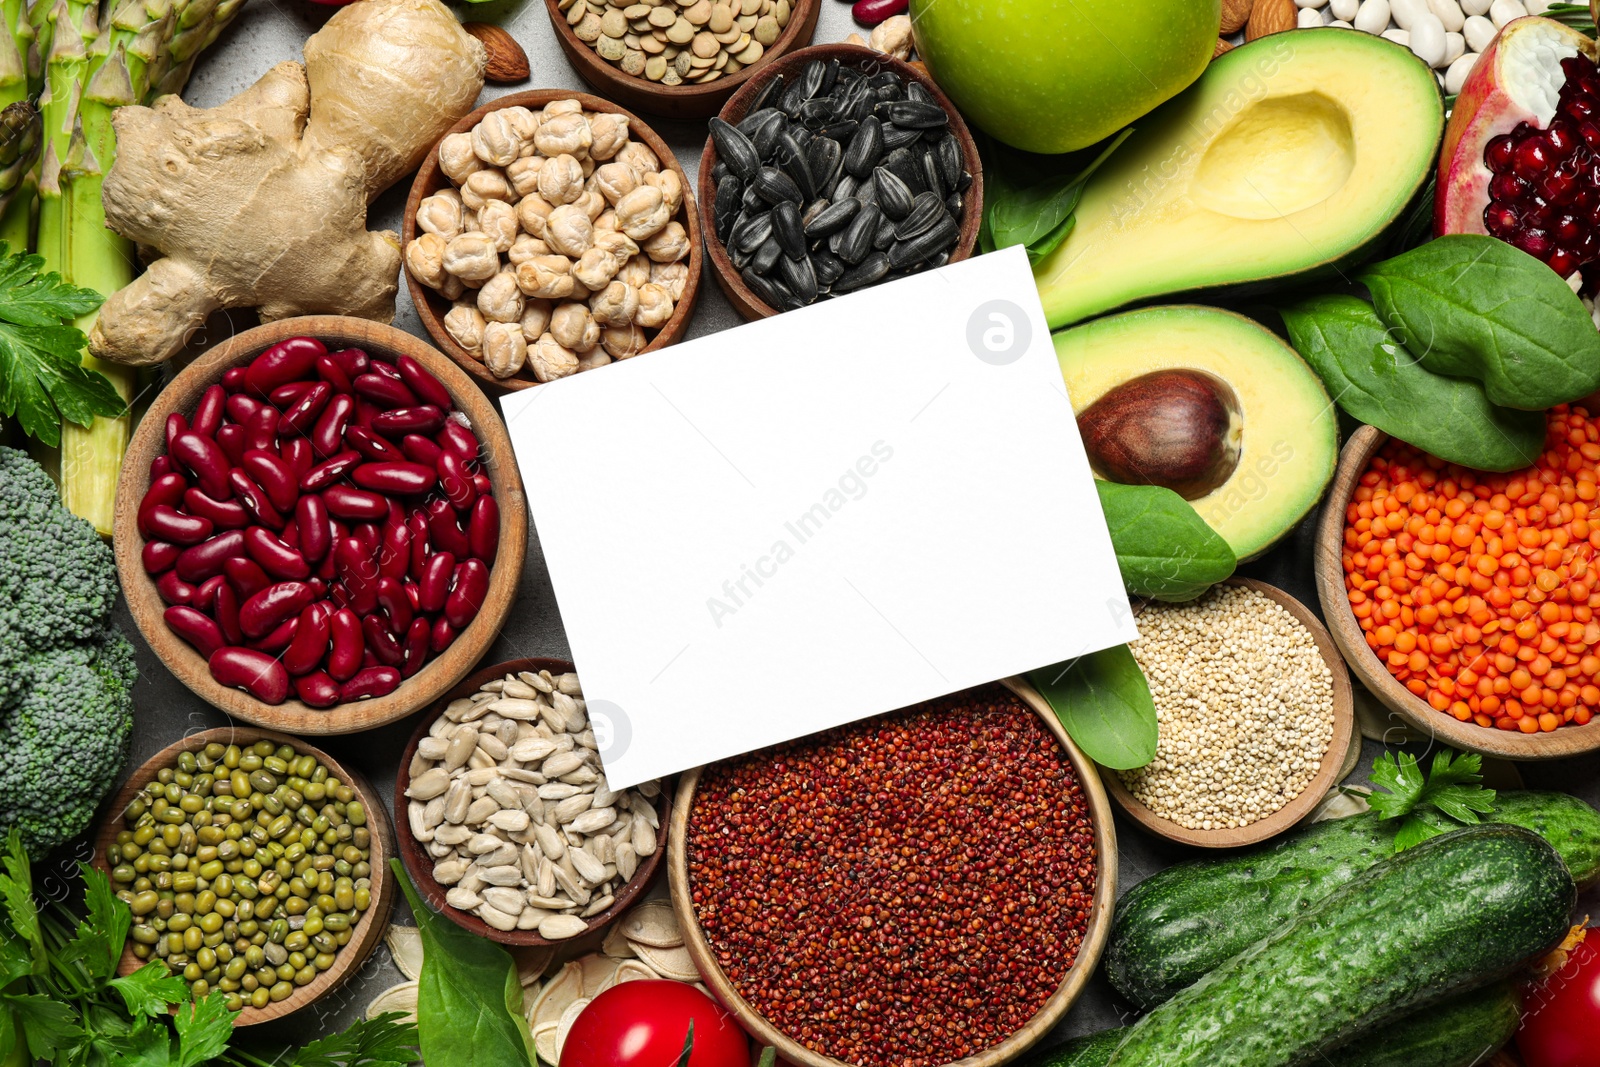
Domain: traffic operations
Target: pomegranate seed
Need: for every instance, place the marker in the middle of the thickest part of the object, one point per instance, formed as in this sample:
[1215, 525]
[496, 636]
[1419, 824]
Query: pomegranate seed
[1498, 154]
[1508, 187]
[1567, 230]
[1563, 262]
[1500, 220]
[1563, 141]
[1577, 108]
[1534, 242]
[1531, 159]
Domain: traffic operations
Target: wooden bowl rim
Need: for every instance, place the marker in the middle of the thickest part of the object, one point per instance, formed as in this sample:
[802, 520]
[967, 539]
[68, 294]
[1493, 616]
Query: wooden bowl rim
[420, 865]
[689, 98]
[442, 672]
[1328, 774]
[740, 295]
[430, 179]
[364, 936]
[1347, 633]
[1067, 993]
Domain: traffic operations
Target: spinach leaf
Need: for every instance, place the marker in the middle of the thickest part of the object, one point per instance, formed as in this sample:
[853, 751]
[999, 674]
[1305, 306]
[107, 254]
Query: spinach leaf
[1164, 548]
[1475, 307]
[1104, 703]
[469, 1001]
[1029, 200]
[1374, 379]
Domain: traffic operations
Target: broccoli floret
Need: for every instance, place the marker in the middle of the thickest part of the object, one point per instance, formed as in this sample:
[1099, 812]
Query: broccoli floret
[66, 673]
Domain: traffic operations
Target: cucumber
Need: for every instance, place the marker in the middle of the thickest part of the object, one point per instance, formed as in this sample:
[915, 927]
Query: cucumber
[1458, 1033]
[1450, 915]
[1174, 927]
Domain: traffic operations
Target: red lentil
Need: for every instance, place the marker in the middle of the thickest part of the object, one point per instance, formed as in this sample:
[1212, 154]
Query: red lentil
[905, 891]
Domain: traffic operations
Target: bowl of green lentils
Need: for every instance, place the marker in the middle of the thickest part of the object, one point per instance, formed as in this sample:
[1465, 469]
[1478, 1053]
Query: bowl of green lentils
[255, 866]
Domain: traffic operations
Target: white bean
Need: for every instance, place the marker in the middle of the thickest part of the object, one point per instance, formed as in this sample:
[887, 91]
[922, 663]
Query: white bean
[1342, 24]
[1427, 39]
[1537, 7]
[1503, 11]
[1404, 13]
[1476, 7]
[1374, 16]
[1311, 3]
[1309, 18]
[1454, 48]
[1478, 31]
[1449, 13]
[1399, 37]
[1456, 76]
[1344, 10]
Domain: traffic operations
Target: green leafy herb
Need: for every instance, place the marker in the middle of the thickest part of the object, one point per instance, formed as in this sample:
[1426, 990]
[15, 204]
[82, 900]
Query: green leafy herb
[150, 989]
[42, 377]
[1164, 548]
[382, 1041]
[1029, 200]
[1471, 306]
[469, 1000]
[1104, 704]
[1373, 378]
[1451, 795]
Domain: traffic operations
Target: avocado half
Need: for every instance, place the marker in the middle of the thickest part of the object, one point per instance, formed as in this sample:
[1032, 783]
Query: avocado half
[1288, 430]
[1288, 155]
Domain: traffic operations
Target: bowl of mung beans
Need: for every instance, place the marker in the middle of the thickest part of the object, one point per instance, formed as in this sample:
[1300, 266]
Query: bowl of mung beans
[255, 866]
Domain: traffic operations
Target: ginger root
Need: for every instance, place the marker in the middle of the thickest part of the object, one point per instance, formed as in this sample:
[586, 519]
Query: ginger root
[262, 202]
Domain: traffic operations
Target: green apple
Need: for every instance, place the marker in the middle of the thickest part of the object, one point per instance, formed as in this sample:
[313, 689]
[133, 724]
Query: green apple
[1058, 75]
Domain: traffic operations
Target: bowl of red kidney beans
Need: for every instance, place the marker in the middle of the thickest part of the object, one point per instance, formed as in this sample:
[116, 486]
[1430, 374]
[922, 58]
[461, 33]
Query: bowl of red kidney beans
[320, 526]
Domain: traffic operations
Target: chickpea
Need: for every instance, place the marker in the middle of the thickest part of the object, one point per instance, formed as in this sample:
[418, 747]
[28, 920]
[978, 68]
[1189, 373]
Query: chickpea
[500, 300]
[639, 155]
[616, 305]
[536, 318]
[636, 271]
[608, 133]
[606, 220]
[592, 203]
[465, 323]
[622, 342]
[667, 245]
[673, 277]
[457, 158]
[563, 133]
[655, 306]
[549, 360]
[595, 268]
[442, 214]
[548, 277]
[671, 187]
[568, 230]
[495, 140]
[425, 259]
[595, 357]
[523, 174]
[642, 212]
[617, 243]
[532, 210]
[472, 257]
[504, 348]
[525, 123]
[524, 248]
[498, 219]
[452, 288]
[573, 327]
[561, 179]
[616, 180]
[484, 185]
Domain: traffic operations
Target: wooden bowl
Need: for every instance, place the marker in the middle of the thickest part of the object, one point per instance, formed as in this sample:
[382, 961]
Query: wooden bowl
[1328, 774]
[740, 295]
[365, 935]
[420, 865]
[1094, 937]
[1351, 639]
[686, 101]
[432, 306]
[146, 605]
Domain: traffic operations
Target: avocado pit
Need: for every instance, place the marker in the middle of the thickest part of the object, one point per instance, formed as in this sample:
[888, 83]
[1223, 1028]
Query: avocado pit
[1180, 429]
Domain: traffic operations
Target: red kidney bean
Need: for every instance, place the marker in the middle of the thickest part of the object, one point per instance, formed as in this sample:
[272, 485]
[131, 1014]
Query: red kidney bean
[424, 418]
[394, 603]
[371, 682]
[482, 484]
[349, 503]
[176, 424]
[434, 585]
[419, 449]
[380, 642]
[442, 636]
[344, 655]
[415, 647]
[394, 555]
[241, 409]
[254, 499]
[173, 589]
[400, 479]
[270, 607]
[443, 531]
[283, 363]
[170, 524]
[199, 562]
[319, 588]
[316, 532]
[483, 529]
[396, 516]
[208, 413]
[203, 458]
[366, 411]
[278, 638]
[466, 596]
[384, 389]
[262, 430]
[329, 471]
[158, 556]
[381, 364]
[455, 481]
[317, 690]
[327, 437]
[255, 672]
[454, 437]
[162, 464]
[352, 361]
[871, 12]
[231, 439]
[333, 374]
[205, 594]
[166, 490]
[296, 452]
[359, 572]
[370, 534]
[287, 395]
[417, 523]
[326, 570]
[224, 514]
[301, 416]
[372, 446]
[274, 476]
[233, 379]
[428, 388]
[195, 627]
[412, 595]
[227, 612]
[290, 535]
[276, 557]
[246, 576]
[310, 645]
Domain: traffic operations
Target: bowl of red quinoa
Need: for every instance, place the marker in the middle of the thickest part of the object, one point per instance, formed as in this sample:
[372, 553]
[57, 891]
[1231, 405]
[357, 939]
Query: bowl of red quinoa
[926, 888]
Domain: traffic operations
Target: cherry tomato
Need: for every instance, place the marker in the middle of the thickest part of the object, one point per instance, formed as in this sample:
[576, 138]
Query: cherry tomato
[644, 1024]
[1561, 1016]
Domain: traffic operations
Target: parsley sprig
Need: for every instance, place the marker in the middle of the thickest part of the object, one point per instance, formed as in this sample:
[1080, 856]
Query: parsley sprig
[61, 999]
[1452, 795]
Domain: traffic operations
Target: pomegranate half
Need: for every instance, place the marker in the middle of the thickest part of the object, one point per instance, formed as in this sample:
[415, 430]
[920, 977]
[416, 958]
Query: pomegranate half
[1521, 156]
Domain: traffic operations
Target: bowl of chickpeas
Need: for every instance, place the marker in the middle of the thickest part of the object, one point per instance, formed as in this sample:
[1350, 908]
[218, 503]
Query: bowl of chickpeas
[254, 865]
[549, 233]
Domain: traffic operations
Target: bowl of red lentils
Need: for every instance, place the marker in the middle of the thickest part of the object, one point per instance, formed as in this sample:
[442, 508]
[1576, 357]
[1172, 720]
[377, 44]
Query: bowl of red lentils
[1467, 601]
[925, 888]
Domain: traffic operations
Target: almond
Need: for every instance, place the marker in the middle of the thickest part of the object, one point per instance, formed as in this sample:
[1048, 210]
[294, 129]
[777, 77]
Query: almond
[1271, 16]
[507, 61]
[1224, 46]
[1235, 13]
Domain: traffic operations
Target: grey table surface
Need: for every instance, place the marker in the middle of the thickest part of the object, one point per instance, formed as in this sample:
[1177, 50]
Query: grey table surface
[271, 31]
